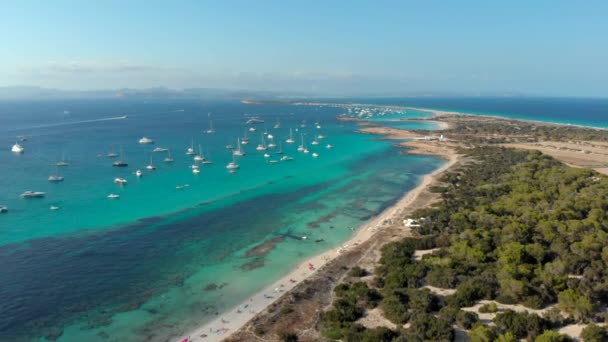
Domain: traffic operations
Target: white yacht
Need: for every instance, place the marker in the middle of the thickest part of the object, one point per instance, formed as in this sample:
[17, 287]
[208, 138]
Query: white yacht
[196, 171]
[112, 155]
[315, 155]
[55, 178]
[290, 139]
[113, 196]
[314, 142]
[254, 120]
[252, 129]
[160, 149]
[33, 194]
[286, 158]
[328, 146]
[138, 173]
[146, 141]
[266, 155]
[320, 136]
[120, 181]
[17, 148]
[54, 207]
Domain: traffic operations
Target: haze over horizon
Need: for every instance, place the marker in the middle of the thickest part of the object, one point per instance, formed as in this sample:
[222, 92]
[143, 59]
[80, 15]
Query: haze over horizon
[537, 48]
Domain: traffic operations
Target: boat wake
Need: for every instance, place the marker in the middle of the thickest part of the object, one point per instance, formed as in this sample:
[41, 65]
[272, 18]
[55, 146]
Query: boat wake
[124, 117]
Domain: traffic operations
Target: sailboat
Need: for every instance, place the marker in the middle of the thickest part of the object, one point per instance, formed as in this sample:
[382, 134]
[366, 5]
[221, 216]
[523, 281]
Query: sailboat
[232, 165]
[205, 160]
[190, 150]
[315, 142]
[151, 166]
[168, 158]
[280, 151]
[120, 163]
[62, 162]
[290, 140]
[210, 130]
[138, 173]
[238, 151]
[301, 147]
[262, 146]
[199, 156]
[271, 144]
[277, 124]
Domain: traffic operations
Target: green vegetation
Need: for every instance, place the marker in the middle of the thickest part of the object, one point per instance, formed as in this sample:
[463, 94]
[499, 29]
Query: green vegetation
[594, 333]
[478, 130]
[514, 226]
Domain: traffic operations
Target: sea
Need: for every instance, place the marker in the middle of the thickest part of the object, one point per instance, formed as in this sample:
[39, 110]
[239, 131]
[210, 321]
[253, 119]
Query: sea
[176, 248]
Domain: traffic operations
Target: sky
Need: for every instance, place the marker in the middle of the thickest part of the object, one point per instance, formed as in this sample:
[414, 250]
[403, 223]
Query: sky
[379, 47]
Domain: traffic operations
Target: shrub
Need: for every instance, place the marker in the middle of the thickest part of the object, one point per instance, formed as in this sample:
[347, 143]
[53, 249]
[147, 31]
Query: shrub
[594, 333]
[426, 327]
[489, 308]
[551, 336]
[357, 272]
[482, 333]
[466, 319]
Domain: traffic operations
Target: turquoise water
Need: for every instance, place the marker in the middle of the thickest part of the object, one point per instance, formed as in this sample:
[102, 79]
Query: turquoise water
[160, 260]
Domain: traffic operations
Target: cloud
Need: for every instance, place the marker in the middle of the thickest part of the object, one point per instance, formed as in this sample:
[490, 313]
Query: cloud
[92, 67]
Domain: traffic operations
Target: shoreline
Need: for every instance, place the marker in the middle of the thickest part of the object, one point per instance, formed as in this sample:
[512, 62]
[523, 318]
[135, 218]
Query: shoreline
[237, 317]
[437, 113]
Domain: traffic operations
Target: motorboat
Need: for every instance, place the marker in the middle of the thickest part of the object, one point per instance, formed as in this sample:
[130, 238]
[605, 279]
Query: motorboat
[55, 178]
[33, 194]
[160, 149]
[17, 148]
[120, 181]
[315, 155]
[113, 196]
[286, 158]
[146, 141]
[3, 209]
[329, 146]
[54, 207]
[138, 173]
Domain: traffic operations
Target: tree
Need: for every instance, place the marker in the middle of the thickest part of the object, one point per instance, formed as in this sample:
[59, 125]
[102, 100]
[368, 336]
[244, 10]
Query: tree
[550, 336]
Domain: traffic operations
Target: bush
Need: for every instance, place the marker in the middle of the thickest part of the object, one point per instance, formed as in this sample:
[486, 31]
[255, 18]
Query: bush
[357, 272]
[482, 333]
[551, 336]
[594, 333]
[520, 324]
[466, 319]
[489, 308]
[287, 309]
[426, 327]
[422, 301]
[395, 308]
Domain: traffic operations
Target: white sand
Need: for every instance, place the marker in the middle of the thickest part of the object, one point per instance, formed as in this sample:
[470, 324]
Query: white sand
[229, 322]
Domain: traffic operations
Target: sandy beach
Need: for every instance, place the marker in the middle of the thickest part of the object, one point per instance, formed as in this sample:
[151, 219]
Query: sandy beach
[226, 324]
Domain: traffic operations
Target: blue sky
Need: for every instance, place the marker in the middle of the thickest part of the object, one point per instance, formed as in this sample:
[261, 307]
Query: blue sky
[338, 47]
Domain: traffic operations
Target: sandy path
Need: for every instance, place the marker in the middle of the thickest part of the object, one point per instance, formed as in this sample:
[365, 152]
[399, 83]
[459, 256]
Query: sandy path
[232, 320]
